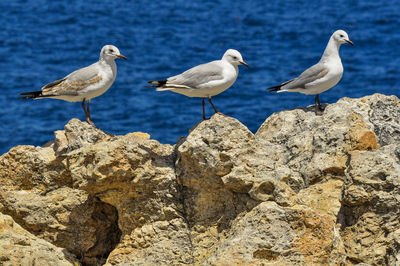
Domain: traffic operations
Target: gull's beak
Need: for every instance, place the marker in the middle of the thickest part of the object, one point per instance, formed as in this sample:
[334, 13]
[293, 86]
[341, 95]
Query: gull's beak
[122, 56]
[349, 42]
[244, 63]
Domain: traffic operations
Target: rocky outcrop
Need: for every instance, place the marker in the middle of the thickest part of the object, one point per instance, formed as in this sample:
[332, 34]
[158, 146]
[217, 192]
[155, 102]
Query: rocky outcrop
[19, 247]
[302, 190]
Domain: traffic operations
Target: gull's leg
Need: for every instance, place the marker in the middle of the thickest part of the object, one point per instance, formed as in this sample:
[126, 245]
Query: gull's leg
[88, 108]
[215, 109]
[204, 111]
[84, 107]
[88, 120]
[87, 112]
[317, 105]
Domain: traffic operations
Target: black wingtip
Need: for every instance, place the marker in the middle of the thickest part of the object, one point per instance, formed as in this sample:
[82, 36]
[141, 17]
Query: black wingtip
[157, 83]
[274, 88]
[278, 87]
[30, 95]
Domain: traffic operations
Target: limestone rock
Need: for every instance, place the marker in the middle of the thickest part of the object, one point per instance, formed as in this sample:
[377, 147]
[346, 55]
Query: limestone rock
[316, 146]
[135, 175]
[371, 206]
[215, 168]
[19, 247]
[32, 168]
[277, 235]
[36, 190]
[385, 115]
[76, 135]
[303, 190]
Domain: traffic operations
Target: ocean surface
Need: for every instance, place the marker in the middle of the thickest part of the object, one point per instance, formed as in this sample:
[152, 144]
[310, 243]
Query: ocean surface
[41, 41]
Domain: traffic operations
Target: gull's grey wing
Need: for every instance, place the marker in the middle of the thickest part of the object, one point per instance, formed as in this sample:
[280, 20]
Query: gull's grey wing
[73, 83]
[313, 73]
[196, 76]
[84, 74]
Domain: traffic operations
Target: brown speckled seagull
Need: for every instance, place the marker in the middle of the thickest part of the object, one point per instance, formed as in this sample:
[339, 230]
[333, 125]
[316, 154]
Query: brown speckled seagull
[83, 84]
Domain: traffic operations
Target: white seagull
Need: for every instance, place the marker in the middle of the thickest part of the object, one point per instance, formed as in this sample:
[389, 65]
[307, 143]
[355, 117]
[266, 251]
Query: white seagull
[321, 76]
[83, 84]
[205, 80]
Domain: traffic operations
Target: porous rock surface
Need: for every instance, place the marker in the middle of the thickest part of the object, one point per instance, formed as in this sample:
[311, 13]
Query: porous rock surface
[302, 190]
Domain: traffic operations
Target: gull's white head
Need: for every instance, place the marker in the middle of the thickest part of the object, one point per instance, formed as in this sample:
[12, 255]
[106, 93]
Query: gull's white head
[110, 52]
[340, 37]
[234, 57]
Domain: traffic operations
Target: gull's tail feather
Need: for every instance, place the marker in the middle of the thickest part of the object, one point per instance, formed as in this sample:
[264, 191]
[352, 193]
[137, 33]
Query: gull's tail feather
[156, 83]
[31, 95]
[162, 85]
[278, 88]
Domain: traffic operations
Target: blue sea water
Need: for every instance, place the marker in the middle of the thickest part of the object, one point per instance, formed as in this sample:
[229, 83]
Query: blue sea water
[41, 41]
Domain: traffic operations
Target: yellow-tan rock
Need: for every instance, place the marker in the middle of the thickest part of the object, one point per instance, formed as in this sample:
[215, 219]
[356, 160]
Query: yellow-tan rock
[302, 190]
[19, 247]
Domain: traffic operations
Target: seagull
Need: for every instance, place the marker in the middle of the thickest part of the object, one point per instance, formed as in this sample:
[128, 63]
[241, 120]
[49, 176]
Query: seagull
[83, 84]
[205, 80]
[321, 76]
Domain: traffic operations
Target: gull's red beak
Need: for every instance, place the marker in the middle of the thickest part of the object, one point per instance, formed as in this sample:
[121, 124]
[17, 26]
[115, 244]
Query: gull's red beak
[122, 57]
[244, 63]
[350, 42]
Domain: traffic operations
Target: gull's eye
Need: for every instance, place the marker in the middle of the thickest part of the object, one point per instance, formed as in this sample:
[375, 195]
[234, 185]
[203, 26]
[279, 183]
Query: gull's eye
[341, 35]
[111, 51]
[234, 57]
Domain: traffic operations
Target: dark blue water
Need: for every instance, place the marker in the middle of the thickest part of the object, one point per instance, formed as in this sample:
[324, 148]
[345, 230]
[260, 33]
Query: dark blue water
[41, 41]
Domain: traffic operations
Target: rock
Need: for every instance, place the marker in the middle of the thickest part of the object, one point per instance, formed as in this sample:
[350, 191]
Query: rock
[384, 115]
[277, 235]
[215, 168]
[371, 206]
[19, 247]
[76, 135]
[135, 175]
[316, 146]
[36, 190]
[302, 190]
